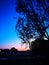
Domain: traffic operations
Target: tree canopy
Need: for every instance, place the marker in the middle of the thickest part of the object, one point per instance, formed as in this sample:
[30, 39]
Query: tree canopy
[35, 22]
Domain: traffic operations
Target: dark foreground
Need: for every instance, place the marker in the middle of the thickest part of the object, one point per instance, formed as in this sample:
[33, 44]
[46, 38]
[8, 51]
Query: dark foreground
[24, 60]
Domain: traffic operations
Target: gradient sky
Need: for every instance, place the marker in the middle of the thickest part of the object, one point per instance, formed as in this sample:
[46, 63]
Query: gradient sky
[8, 36]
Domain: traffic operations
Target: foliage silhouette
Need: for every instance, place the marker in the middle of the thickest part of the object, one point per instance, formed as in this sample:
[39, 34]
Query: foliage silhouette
[36, 17]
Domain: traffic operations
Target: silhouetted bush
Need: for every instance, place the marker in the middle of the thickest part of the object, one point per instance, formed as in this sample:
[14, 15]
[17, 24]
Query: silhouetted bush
[41, 49]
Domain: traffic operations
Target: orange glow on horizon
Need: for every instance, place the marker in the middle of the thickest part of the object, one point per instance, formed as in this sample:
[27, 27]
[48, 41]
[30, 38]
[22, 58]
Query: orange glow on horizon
[22, 49]
[18, 47]
[15, 44]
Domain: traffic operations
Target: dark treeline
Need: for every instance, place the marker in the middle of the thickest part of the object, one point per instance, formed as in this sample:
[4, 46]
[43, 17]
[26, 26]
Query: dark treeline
[13, 51]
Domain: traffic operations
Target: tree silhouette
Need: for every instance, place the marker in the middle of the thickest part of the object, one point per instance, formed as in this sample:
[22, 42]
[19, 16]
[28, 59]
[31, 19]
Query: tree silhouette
[36, 12]
[24, 30]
